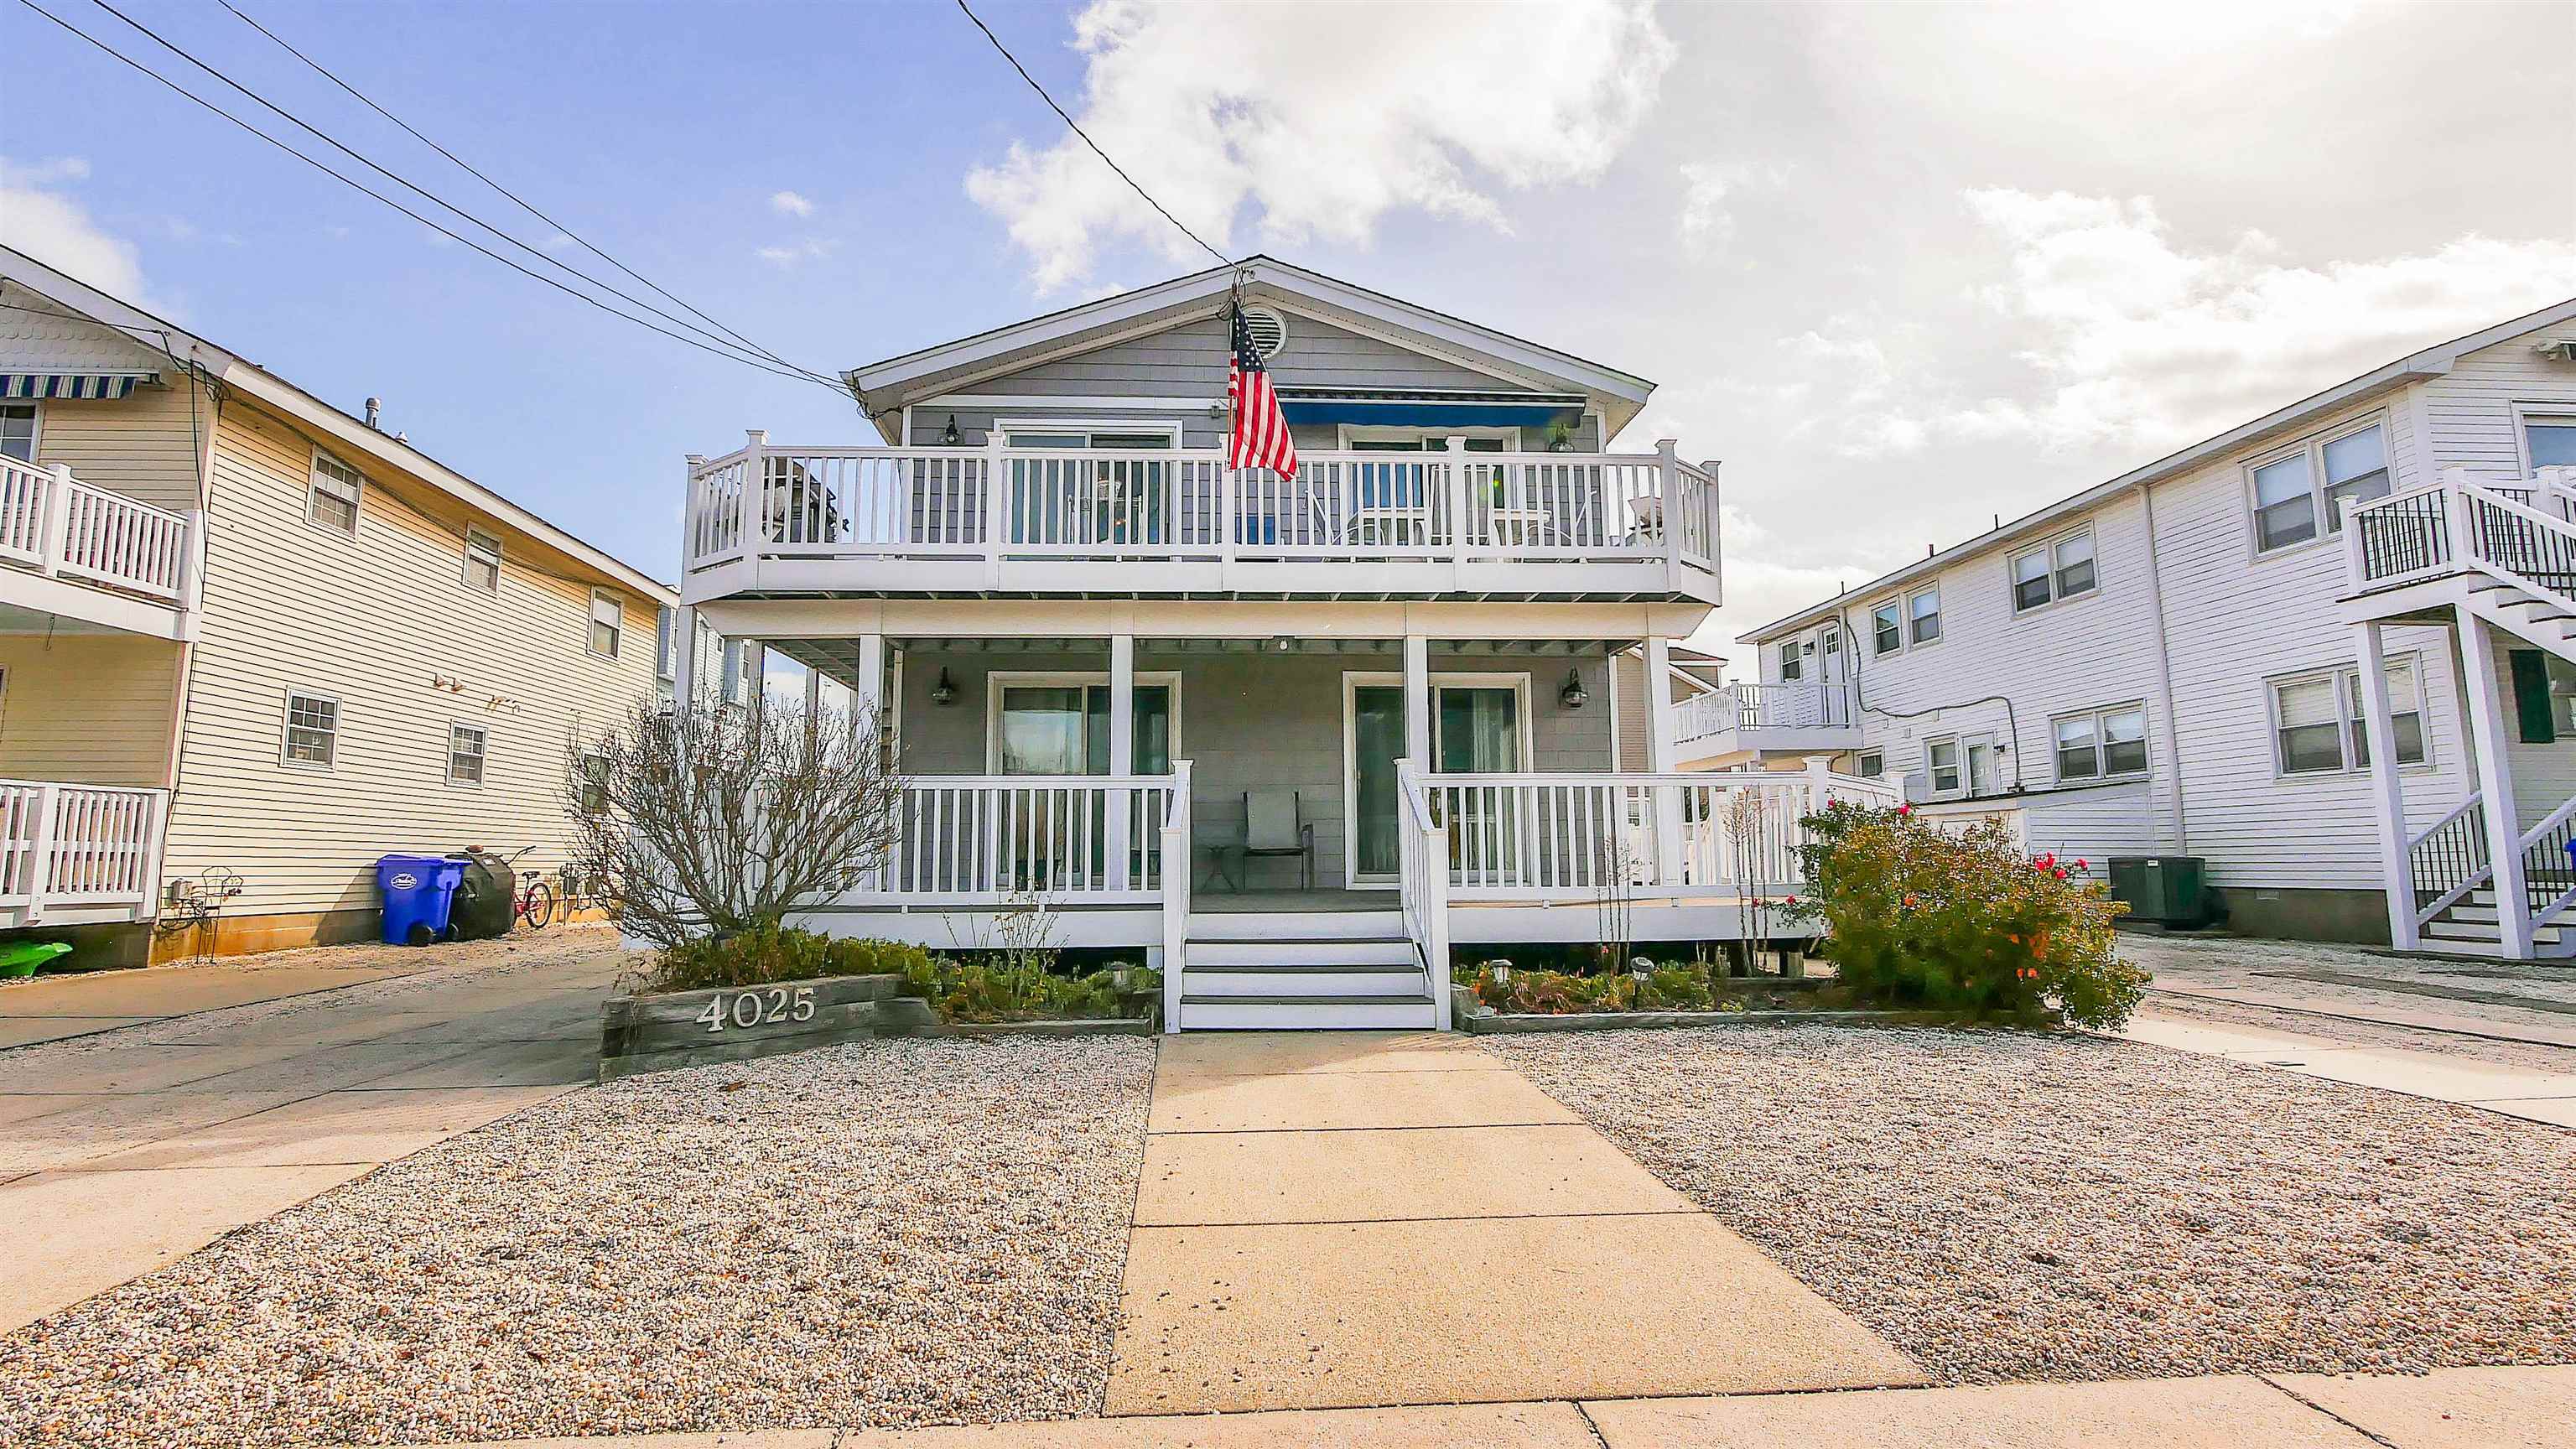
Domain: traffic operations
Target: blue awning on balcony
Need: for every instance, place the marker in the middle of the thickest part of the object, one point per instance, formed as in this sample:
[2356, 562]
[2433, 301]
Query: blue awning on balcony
[1429, 410]
[85, 385]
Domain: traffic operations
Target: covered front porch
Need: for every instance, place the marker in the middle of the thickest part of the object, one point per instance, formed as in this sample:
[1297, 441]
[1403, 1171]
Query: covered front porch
[1283, 801]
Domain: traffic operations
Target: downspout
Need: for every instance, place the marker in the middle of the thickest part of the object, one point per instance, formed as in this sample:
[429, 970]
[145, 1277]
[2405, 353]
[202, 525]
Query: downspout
[2164, 681]
[183, 669]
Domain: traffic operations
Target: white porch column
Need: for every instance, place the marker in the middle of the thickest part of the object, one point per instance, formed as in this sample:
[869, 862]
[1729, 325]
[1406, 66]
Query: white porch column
[1417, 702]
[2387, 790]
[755, 677]
[867, 684]
[1662, 759]
[2495, 779]
[1122, 754]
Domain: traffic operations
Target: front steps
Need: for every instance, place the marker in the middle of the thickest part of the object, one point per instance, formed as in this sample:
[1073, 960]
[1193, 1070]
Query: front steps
[1303, 970]
[2471, 927]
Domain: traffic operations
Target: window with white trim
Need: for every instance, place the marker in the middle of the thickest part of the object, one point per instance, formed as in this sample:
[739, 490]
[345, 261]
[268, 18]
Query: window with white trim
[18, 431]
[1887, 627]
[666, 646]
[1792, 659]
[607, 623]
[312, 731]
[466, 747]
[2548, 439]
[2059, 570]
[482, 561]
[332, 500]
[1923, 616]
[1941, 762]
[2312, 484]
[2102, 744]
[1871, 765]
[2317, 725]
[594, 784]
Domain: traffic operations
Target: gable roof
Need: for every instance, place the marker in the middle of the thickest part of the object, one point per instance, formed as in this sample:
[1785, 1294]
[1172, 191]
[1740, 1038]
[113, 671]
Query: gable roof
[883, 388]
[2431, 362]
[340, 429]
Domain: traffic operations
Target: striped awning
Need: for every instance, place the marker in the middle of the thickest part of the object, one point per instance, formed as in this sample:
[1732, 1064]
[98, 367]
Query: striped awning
[70, 384]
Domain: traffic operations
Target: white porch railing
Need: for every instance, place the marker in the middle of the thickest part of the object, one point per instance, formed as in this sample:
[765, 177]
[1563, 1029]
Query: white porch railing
[84, 851]
[997, 503]
[2448, 859]
[62, 527]
[2517, 530]
[998, 839]
[1423, 886]
[1176, 895]
[1798, 704]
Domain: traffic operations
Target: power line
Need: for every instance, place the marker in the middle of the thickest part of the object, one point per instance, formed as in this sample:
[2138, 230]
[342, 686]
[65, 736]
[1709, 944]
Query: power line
[523, 204]
[1086, 136]
[434, 199]
[728, 352]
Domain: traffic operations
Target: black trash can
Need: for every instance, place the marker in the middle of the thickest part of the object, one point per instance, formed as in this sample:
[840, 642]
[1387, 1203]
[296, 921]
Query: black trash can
[485, 903]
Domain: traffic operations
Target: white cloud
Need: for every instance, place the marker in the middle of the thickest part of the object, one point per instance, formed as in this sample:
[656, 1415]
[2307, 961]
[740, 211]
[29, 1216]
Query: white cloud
[1708, 187]
[57, 230]
[2133, 340]
[790, 253]
[1216, 108]
[788, 203]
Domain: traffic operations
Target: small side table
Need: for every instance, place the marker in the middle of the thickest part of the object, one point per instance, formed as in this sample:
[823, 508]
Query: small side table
[1225, 863]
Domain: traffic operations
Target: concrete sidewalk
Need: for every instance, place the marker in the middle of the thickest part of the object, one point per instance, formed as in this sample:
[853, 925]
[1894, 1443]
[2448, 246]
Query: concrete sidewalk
[1348, 1219]
[217, 1100]
[2483, 1408]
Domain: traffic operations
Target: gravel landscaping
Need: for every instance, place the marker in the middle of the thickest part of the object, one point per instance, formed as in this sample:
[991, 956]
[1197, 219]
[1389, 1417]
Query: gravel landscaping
[884, 1233]
[2011, 1206]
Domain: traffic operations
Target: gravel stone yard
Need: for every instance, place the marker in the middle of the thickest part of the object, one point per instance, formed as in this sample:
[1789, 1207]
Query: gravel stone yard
[883, 1233]
[2015, 1206]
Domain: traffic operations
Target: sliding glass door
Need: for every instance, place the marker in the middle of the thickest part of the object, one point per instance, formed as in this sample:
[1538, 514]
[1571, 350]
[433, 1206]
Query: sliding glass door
[1063, 729]
[1476, 728]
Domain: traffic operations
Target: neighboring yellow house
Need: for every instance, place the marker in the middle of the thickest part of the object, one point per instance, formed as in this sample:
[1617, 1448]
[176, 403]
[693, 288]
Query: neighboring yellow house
[249, 643]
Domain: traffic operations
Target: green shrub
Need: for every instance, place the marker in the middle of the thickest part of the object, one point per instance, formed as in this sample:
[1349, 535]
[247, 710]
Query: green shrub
[776, 953]
[1920, 917]
[996, 989]
[1541, 991]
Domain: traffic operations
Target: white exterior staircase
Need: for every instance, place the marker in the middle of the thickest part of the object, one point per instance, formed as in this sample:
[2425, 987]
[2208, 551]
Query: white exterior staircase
[1302, 970]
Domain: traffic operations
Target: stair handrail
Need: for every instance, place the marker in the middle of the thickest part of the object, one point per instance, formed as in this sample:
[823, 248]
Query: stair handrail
[1176, 893]
[2546, 844]
[1422, 865]
[2468, 494]
[2470, 815]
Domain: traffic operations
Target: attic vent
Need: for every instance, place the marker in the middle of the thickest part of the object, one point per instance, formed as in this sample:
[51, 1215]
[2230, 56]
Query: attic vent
[1269, 330]
[2562, 349]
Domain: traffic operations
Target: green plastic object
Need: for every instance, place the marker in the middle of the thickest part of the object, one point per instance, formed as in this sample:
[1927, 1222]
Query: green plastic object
[24, 957]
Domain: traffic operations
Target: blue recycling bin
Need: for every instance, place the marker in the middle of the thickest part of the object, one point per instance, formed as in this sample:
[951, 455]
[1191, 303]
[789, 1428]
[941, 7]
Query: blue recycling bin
[419, 891]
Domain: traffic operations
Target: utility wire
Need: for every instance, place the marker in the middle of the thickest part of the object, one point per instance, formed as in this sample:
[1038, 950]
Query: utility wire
[523, 203]
[1086, 136]
[728, 352]
[471, 219]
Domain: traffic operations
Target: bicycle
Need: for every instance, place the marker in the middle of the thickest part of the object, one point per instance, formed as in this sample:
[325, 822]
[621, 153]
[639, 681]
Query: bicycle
[533, 902]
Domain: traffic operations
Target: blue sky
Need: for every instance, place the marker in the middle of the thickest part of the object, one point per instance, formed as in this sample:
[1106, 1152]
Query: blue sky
[1901, 268]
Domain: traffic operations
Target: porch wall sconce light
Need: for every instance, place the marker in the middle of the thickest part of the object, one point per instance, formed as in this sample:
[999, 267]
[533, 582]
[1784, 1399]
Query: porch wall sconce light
[1573, 696]
[943, 692]
[949, 437]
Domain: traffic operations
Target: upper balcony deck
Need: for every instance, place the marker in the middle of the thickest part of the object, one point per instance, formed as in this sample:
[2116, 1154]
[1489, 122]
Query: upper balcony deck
[73, 549]
[1179, 523]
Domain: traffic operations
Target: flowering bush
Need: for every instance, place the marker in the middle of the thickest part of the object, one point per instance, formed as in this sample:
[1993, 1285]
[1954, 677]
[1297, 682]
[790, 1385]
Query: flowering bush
[1921, 917]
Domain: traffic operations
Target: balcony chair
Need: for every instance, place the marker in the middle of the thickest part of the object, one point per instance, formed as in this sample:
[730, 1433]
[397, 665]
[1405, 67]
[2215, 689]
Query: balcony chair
[1271, 827]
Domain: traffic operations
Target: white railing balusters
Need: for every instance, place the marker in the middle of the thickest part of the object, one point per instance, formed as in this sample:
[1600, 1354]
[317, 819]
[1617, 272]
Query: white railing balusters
[1175, 886]
[968, 839]
[68, 846]
[53, 522]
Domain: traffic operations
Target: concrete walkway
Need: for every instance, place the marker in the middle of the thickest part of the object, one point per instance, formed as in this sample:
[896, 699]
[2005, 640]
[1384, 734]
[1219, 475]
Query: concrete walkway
[218, 1095]
[2490, 1408]
[2531, 1094]
[1331, 1219]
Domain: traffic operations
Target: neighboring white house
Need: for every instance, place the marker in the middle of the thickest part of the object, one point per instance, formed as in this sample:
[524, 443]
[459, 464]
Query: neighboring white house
[1293, 738]
[2173, 663]
[249, 644]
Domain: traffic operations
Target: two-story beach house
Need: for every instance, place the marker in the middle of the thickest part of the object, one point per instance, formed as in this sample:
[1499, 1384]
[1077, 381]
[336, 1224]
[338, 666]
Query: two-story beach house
[2325, 657]
[250, 643]
[1295, 738]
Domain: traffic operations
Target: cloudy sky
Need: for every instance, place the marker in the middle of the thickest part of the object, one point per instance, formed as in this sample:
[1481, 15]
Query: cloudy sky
[1902, 268]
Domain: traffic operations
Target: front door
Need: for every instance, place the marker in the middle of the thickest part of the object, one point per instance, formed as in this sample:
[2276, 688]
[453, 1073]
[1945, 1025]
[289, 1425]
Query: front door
[1476, 729]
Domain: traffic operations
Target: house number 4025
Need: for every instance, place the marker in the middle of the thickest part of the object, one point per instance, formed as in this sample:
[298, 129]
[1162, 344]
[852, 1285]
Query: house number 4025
[759, 1008]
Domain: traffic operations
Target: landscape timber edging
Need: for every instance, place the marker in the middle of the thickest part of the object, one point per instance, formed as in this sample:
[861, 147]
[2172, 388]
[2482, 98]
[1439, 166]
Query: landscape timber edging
[1478, 1019]
[656, 1033]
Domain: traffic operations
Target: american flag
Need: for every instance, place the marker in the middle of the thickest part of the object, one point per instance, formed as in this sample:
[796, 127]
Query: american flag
[1260, 437]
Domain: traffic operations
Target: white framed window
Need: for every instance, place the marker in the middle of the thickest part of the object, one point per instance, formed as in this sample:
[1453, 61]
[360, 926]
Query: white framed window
[1792, 659]
[312, 740]
[467, 746]
[1871, 765]
[666, 646]
[482, 561]
[332, 500]
[2061, 569]
[594, 783]
[2102, 744]
[2317, 723]
[1941, 762]
[2304, 490]
[1887, 627]
[1126, 435]
[2548, 440]
[607, 623]
[18, 431]
[1923, 616]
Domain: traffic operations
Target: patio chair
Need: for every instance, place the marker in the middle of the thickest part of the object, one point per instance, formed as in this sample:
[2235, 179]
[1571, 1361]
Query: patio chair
[1271, 827]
